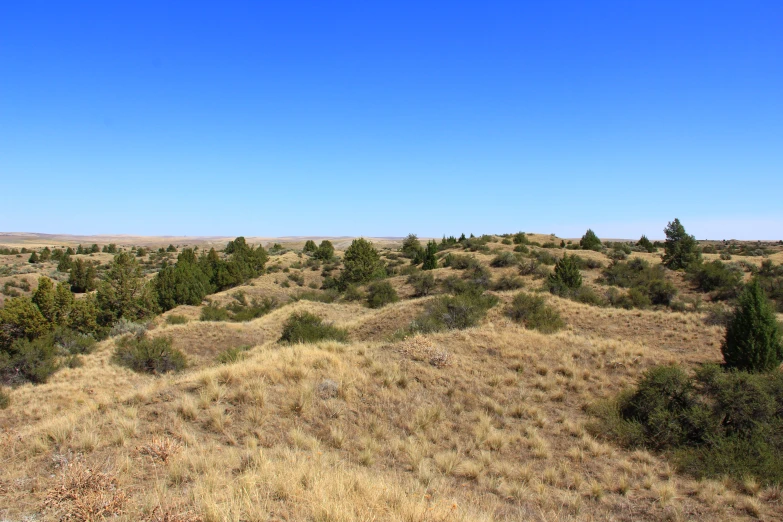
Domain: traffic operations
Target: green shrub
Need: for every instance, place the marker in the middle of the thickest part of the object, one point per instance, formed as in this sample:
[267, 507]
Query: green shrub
[422, 282]
[148, 355]
[753, 334]
[454, 312]
[645, 244]
[411, 247]
[381, 293]
[325, 251]
[309, 246]
[520, 239]
[5, 399]
[533, 312]
[29, 360]
[232, 355]
[522, 249]
[504, 259]
[213, 312]
[544, 257]
[716, 276]
[508, 282]
[176, 319]
[329, 295]
[586, 295]
[304, 327]
[460, 262]
[716, 423]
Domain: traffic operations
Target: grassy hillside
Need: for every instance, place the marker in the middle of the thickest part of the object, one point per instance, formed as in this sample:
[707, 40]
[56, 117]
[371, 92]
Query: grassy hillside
[490, 422]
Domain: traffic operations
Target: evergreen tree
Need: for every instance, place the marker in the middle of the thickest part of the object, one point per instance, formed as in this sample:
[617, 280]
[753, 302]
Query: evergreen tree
[20, 318]
[182, 283]
[430, 261]
[80, 250]
[680, 248]
[65, 263]
[566, 275]
[63, 303]
[69, 251]
[43, 298]
[411, 247]
[309, 246]
[590, 241]
[753, 338]
[45, 254]
[33, 258]
[325, 251]
[125, 293]
[82, 277]
[362, 264]
[94, 249]
[171, 248]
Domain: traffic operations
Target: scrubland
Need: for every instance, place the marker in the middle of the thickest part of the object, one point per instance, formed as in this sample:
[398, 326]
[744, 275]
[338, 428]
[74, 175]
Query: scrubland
[489, 422]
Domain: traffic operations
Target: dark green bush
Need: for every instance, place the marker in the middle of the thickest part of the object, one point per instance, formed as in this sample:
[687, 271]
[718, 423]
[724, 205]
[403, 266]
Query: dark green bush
[304, 327]
[533, 312]
[29, 360]
[716, 423]
[148, 355]
[640, 275]
[381, 293]
[645, 244]
[520, 239]
[504, 259]
[309, 246]
[753, 334]
[457, 312]
[715, 276]
[460, 262]
[586, 295]
[411, 247]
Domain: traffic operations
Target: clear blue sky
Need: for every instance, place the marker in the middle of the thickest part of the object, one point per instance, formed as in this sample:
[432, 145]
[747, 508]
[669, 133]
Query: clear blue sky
[384, 118]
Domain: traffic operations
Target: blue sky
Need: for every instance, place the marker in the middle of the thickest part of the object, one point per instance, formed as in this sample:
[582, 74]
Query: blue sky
[384, 118]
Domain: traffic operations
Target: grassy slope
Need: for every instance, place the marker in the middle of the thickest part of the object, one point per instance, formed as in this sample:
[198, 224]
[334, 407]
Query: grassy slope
[482, 424]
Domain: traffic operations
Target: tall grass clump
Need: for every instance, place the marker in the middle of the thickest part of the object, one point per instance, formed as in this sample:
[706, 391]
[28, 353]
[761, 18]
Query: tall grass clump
[304, 327]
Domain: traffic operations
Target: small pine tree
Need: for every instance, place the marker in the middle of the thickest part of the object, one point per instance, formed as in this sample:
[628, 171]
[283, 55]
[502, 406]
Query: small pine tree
[566, 275]
[430, 261]
[46, 253]
[753, 338]
[681, 248]
[590, 241]
[33, 258]
[171, 248]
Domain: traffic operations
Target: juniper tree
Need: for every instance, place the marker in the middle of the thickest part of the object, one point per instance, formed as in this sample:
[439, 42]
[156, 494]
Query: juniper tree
[590, 241]
[325, 251]
[309, 246]
[566, 275]
[430, 261]
[753, 337]
[362, 264]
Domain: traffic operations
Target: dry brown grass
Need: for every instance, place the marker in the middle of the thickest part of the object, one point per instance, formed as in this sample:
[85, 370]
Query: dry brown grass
[482, 424]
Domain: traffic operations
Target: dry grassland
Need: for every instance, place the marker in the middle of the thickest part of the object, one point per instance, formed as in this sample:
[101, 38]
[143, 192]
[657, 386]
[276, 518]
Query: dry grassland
[484, 424]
